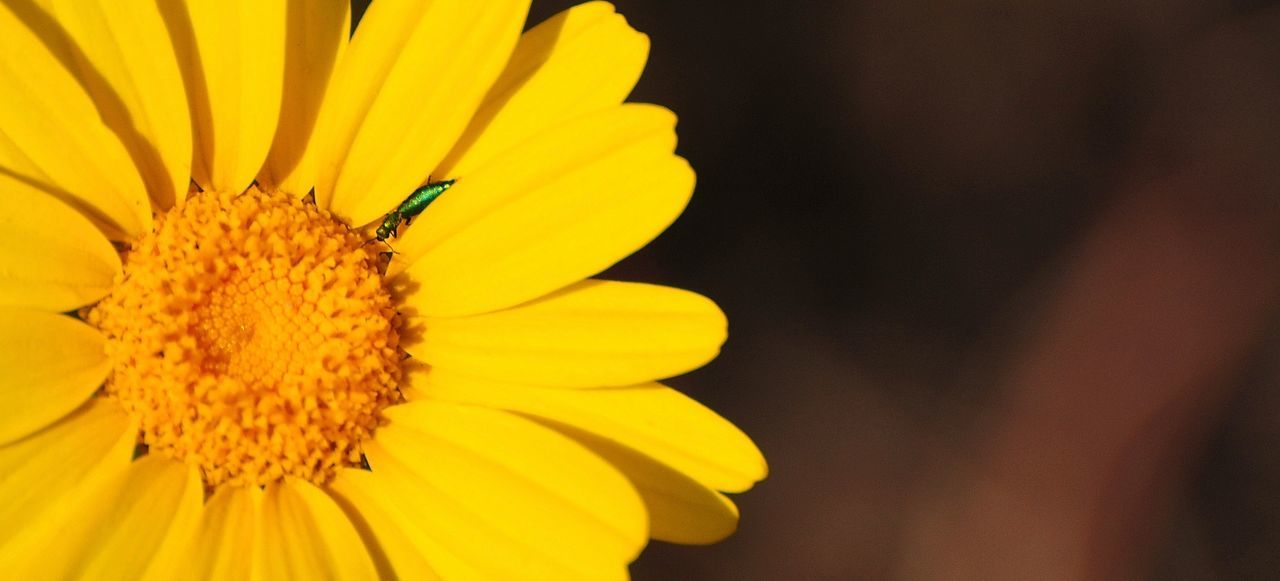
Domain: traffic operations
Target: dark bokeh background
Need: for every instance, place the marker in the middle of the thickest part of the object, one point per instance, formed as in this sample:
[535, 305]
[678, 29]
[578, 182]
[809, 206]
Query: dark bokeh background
[1001, 278]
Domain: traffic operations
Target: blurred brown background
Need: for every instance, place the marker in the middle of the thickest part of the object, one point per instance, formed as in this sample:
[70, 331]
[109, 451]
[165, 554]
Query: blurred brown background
[1002, 279]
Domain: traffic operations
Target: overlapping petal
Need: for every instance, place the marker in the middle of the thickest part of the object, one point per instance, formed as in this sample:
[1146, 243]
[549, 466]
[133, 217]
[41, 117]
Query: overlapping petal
[369, 506]
[51, 257]
[42, 475]
[303, 534]
[51, 135]
[49, 365]
[681, 509]
[592, 334]
[469, 480]
[564, 206]
[223, 544]
[653, 419]
[125, 59]
[117, 529]
[414, 74]
[582, 60]
[317, 35]
[232, 55]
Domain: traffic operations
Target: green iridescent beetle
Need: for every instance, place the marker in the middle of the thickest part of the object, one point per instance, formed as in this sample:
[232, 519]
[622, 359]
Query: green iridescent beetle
[411, 207]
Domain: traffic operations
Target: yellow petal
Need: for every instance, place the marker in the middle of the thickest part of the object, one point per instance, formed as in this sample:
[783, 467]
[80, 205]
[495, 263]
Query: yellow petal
[395, 555]
[506, 497]
[49, 365]
[412, 78]
[562, 207]
[168, 562]
[317, 36]
[115, 531]
[653, 419]
[453, 557]
[592, 334]
[582, 60]
[232, 59]
[304, 535]
[127, 63]
[41, 474]
[51, 135]
[51, 257]
[681, 510]
[223, 545]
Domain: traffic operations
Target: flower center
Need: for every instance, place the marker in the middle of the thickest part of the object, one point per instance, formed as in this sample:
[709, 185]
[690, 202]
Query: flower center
[252, 336]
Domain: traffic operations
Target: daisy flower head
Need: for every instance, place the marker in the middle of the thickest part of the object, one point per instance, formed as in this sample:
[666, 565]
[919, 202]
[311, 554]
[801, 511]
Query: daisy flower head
[284, 301]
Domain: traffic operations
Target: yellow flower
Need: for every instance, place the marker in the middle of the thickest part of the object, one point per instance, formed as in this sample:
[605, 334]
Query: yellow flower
[245, 386]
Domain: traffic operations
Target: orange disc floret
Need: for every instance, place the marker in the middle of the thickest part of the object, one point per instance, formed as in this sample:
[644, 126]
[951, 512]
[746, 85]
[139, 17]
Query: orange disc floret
[252, 336]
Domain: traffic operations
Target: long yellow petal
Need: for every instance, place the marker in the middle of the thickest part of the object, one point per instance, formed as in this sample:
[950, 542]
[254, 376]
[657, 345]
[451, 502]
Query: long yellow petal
[116, 530]
[413, 76]
[49, 365]
[317, 37]
[232, 59]
[592, 334]
[42, 474]
[656, 420]
[582, 60]
[51, 135]
[159, 506]
[448, 557]
[564, 206]
[126, 61]
[304, 535]
[224, 542]
[506, 497]
[395, 555]
[168, 561]
[681, 510]
[51, 257]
